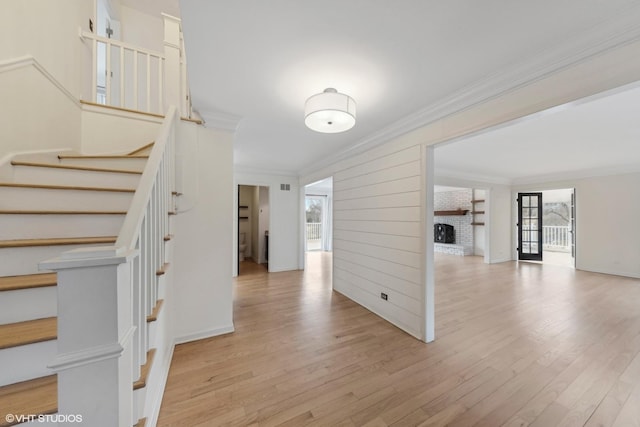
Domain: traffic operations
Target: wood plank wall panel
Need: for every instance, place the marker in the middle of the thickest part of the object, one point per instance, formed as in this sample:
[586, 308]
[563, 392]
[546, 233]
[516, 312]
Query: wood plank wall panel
[377, 234]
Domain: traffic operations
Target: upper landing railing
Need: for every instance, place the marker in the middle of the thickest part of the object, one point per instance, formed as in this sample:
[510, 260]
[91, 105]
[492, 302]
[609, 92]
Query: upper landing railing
[134, 78]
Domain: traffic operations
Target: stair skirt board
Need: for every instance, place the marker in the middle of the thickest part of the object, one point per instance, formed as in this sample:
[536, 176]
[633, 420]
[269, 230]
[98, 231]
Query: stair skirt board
[59, 225]
[28, 304]
[27, 361]
[68, 200]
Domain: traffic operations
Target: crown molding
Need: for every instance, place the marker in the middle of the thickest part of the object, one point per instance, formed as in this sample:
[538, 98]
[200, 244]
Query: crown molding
[452, 175]
[615, 32]
[239, 169]
[220, 120]
[575, 175]
[30, 61]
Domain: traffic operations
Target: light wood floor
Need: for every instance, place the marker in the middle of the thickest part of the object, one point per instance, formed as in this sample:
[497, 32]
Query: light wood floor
[516, 345]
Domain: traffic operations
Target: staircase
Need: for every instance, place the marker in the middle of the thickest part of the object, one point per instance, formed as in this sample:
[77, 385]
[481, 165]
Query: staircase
[51, 204]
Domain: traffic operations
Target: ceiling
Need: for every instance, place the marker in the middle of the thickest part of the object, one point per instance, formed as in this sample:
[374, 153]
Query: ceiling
[252, 64]
[601, 135]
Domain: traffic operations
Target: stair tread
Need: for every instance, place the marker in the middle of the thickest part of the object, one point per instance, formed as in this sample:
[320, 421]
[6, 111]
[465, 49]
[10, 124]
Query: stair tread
[33, 397]
[144, 371]
[138, 150]
[65, 187]
[154, 314]
[43, 212]
[141, 422]
[28, 281]
[29, 332]
[21, 243]
[162, 270]
[102, 156]
[73, 167]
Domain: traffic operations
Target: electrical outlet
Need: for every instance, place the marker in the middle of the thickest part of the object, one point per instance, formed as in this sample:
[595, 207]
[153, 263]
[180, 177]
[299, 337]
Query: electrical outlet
[384, 296]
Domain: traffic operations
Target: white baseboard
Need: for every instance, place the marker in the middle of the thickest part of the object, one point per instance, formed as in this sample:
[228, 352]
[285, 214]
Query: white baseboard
[157, 404]
[204, 334]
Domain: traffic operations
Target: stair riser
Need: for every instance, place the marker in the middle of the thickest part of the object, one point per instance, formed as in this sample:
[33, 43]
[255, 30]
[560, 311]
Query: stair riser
[38, 175]
[13, 227]
[26, 362]
[126, 164]
[41, 199]
[19, 261]
[28, 304]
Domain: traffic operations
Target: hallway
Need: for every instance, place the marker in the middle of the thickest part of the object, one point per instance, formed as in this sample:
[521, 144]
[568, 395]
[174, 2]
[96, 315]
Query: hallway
[516, 345]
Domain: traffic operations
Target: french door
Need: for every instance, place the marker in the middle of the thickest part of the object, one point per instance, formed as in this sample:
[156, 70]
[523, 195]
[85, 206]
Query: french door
[530, 226]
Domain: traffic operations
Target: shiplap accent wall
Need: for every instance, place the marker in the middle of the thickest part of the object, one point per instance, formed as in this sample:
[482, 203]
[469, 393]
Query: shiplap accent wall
[378, 229]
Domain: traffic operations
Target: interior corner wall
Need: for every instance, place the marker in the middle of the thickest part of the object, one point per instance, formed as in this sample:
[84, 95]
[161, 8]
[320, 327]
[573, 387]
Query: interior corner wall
[203, 241]
[607, 226]
[48, 31]
[283, 218]
[35, 114]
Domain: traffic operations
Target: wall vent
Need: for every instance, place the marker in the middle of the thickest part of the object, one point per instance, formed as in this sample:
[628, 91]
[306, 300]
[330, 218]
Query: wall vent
[285, 187]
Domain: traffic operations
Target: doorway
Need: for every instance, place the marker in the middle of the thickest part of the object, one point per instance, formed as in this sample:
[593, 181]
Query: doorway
[546, 226]
[318, 221]
[253, 228]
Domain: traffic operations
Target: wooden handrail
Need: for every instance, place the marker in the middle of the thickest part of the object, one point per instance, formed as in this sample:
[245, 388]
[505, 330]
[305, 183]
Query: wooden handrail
[133, 221]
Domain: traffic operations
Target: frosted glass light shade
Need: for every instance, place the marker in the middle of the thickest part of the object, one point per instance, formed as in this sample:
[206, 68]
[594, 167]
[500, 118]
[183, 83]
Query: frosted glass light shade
[330, 112]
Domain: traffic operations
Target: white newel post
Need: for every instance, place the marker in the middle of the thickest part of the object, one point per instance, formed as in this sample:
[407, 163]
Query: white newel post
[94, 362]
[172, 67]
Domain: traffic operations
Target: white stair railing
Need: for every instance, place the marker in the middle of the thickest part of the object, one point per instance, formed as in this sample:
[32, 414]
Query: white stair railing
[133, 76]
[105, 295]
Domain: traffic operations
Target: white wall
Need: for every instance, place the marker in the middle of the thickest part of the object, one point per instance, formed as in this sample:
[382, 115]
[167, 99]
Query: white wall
[498, 205]
[141, 29]
[284, 219]
[203, 240]
[35, 113]
[47, 30]
[607, 226]
[263, 222]
[109, 131]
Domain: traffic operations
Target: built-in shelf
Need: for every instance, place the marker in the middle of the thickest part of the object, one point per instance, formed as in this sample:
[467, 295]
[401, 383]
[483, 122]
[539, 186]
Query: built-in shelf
[475, 212]
[451, 213]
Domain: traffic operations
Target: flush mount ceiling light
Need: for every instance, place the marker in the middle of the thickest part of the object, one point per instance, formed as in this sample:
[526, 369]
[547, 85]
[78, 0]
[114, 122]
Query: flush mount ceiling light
[330, 112]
